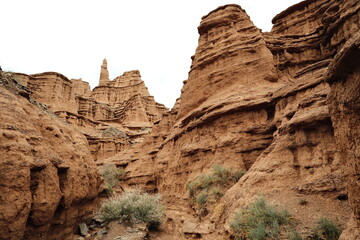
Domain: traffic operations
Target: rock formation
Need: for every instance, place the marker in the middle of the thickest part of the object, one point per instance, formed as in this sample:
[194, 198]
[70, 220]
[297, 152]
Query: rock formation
[104, 74]
[258, 102]
[48, 178]
[344, 79]
[282, 106]
[113, 116]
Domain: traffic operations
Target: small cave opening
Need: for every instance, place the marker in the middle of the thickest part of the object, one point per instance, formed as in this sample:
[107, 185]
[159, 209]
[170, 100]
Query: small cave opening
[63, 176]
[35, 174]
[270, 112]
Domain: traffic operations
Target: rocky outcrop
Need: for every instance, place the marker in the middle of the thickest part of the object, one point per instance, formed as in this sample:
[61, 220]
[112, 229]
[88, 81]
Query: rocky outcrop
[256, 102]
[230, 53]
[48, 177]
[344, 102]
[53, 89]
[122, 105]
[282, 106]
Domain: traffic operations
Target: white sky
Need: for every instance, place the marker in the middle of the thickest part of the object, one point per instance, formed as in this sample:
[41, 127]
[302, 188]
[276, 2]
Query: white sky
[72, 37]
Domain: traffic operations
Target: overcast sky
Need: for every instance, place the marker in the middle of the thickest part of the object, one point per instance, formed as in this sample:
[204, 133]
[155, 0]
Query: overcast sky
[72, 37]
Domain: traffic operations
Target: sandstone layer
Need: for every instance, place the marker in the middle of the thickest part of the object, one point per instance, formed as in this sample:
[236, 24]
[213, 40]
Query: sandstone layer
[258, 102]
[113, 116]
[48, 177]
[282, 106]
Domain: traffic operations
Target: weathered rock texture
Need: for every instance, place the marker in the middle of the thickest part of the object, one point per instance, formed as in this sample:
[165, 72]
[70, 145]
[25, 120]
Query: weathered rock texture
[258, 102]
[48, 178]
[113, 116]
[253, 101]
[344, 102]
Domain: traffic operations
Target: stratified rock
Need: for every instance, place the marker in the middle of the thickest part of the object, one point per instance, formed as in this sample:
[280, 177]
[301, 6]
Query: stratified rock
[256, 102]
[344, 102]
[104, 74]
[226, 64]
[123, 104]
[81, 88]
[53, 89]
[48, 177]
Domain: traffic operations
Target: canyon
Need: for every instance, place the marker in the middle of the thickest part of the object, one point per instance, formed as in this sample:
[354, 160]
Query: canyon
[282, 106]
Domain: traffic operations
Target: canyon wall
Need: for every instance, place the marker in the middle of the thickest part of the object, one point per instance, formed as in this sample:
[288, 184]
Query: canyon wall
[344, 103]
[48, 177]
[282, 106]
[258, 102]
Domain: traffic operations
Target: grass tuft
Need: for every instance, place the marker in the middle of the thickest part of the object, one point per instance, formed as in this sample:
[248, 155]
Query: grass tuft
[112, 175]
[208, 188]
[259, 221]
[326, 229]
[133, 207]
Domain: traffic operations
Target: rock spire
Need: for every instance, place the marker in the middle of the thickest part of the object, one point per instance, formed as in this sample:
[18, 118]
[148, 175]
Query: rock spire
[104, 74]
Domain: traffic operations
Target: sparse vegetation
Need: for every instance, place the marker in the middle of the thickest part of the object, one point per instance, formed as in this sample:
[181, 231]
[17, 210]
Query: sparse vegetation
[112, 175]
[326, 229]
[259, 221]
[208, 188]
[133, 207]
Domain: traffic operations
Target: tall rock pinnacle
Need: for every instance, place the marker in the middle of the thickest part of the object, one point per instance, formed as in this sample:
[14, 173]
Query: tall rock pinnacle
[104, 74]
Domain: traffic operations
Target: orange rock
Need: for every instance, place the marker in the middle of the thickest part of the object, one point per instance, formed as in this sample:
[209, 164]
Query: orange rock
[48, 178]
[258, 102]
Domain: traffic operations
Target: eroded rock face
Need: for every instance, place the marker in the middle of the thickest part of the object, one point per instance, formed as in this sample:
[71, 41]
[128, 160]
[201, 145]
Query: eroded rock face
[254, 101]
[344, 102]
[230, 53]
[122, 105]
[48, 177]
[258, 102]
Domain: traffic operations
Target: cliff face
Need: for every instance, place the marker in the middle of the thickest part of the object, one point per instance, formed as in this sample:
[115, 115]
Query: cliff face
[123, 105]
[282, 106]
[344, 79]
[48, 178]
[230, 53]
[258, 102]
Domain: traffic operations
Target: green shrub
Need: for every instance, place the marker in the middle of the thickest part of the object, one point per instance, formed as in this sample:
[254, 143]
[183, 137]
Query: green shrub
[202, 198]
[111, 175]
[258, 221]
[326, 229]
[210, 187]
[133, 207]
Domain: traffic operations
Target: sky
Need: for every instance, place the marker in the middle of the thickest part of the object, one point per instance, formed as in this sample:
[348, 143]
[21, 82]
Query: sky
[72, 37]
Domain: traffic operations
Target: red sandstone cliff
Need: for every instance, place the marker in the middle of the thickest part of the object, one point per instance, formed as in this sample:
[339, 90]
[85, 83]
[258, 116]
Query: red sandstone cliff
[281, 105]
[113, 116]
[258, 102]
[48, 178]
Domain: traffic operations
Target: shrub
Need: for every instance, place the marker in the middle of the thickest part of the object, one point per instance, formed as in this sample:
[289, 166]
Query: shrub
[202, 198]
[111, 175]
[210, 187]
[326, 229]
[133, 207]
[259, 221]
